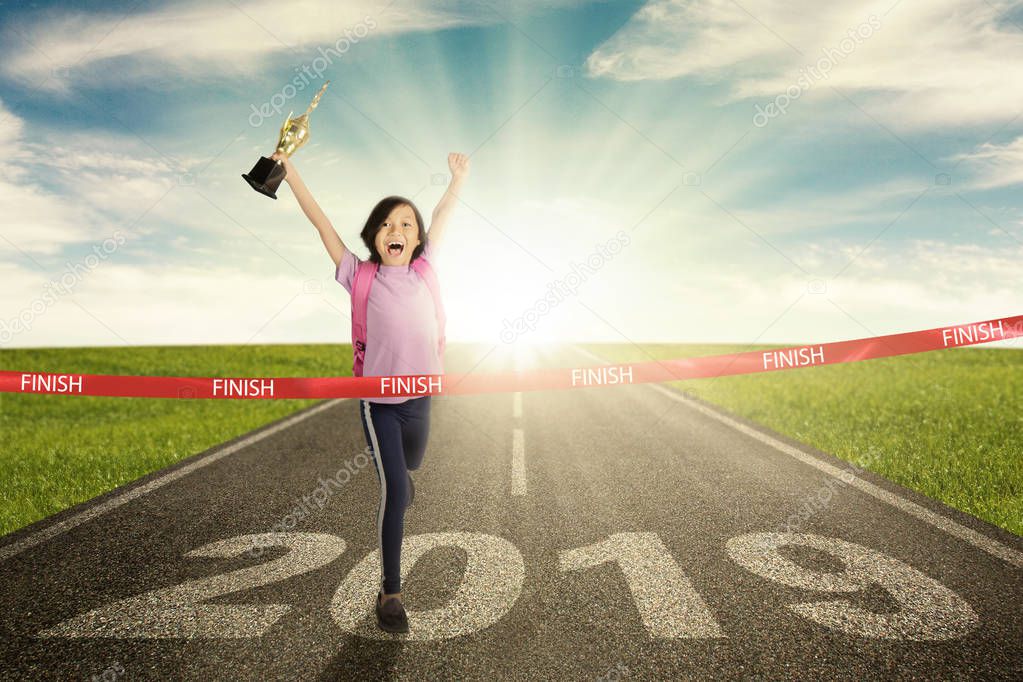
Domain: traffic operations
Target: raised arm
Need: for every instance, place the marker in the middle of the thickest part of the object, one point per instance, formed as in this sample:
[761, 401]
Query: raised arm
[335, 247]
[459, 165]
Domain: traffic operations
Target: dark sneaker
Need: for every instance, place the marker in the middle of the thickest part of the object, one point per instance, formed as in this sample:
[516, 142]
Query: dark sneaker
[391, 615]
[411, 489]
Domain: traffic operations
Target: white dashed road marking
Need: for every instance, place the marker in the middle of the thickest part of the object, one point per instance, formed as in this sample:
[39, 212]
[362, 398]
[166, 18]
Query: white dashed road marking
[518, 484]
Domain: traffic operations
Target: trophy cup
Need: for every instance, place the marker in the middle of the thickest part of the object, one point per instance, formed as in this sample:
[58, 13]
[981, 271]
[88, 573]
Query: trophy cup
[266, 176]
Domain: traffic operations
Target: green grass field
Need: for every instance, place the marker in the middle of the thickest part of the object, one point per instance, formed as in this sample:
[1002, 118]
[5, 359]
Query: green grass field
[948, 424]
[62, 450]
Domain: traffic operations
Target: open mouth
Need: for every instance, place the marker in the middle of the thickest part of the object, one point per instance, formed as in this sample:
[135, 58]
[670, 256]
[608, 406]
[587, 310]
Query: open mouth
[394, 248]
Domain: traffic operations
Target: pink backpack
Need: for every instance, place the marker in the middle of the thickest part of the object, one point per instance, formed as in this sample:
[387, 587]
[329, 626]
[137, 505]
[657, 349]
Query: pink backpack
[364, 275]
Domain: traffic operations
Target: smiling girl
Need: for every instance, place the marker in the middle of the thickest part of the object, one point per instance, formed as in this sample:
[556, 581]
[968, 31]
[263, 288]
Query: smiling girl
[403, 335]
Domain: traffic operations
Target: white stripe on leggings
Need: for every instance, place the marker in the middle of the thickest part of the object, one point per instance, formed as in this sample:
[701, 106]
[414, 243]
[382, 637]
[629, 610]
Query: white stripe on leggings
[383, 487]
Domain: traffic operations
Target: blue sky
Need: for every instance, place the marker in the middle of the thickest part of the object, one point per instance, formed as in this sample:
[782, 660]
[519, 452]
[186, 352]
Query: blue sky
[885, 198]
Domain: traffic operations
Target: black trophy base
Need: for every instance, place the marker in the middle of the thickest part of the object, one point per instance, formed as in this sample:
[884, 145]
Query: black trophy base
[266, 176]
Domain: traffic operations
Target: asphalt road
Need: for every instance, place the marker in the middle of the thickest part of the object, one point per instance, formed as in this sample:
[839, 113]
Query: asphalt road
[608, 533]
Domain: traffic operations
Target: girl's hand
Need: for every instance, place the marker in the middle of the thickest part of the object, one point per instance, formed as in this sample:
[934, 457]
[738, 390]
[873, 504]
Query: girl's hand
[459, 165]
[285, 161]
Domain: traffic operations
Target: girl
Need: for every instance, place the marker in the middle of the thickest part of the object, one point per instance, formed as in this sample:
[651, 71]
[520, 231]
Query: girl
[401, 338]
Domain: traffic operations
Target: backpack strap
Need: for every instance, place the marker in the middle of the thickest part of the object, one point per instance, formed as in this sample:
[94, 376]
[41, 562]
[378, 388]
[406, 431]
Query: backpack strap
[364, 275]
[426, 271]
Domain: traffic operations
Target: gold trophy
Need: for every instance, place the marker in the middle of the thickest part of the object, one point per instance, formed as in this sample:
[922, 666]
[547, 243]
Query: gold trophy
[266, 176]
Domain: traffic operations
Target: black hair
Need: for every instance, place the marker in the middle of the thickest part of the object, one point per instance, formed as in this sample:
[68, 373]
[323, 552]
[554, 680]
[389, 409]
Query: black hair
[376, 220]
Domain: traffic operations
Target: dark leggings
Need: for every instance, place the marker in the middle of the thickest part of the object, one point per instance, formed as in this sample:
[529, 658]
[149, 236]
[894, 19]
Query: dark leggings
[396, 433]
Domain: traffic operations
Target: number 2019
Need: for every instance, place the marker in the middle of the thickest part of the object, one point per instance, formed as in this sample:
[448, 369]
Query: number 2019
[667, 603]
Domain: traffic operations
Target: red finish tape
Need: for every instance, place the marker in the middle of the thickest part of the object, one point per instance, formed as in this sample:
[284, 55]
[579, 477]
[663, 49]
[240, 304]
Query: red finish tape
[540, 380]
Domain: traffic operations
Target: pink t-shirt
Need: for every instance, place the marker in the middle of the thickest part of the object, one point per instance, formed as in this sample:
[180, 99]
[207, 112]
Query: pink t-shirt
[401, 321]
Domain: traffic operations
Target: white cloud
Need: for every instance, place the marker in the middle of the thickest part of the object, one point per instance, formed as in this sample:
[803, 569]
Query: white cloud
[201, 40]
[807, 211]
[941, 62]
[694, 298]
[11, 127]
[173, 304]
[58, 192]
[928, 284]
[35, 221]
[995, 165]
[191, 37]
[34, 218]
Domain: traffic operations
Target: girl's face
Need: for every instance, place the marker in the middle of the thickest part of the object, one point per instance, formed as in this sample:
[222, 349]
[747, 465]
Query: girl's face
[398, 237]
